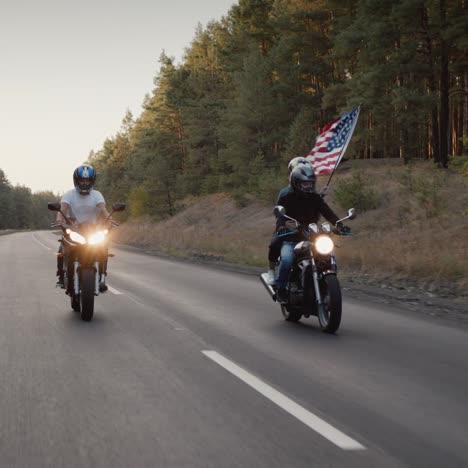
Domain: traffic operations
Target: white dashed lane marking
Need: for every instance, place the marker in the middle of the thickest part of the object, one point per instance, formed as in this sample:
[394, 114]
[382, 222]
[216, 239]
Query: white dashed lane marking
[309, 419]
[40, 243]
[114, 291]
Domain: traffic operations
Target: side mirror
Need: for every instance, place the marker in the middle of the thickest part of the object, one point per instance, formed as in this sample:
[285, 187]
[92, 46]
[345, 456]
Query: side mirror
[279, 210]
[53, 206]
[118, 206]
[351, 213]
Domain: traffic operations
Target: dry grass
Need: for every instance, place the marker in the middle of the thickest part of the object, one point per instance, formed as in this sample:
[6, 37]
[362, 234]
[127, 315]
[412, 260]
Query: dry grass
[210, 227]
[418, 231]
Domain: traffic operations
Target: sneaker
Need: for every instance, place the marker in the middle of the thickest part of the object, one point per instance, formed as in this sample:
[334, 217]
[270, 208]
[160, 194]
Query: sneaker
[60, 283]
[103, 287]
[271, 277]
[282, 295]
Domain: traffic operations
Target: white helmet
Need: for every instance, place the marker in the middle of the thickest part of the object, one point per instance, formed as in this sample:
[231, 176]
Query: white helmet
[297, 162]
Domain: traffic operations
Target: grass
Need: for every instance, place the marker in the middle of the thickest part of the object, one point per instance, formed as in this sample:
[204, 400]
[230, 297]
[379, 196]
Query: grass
[418, 229]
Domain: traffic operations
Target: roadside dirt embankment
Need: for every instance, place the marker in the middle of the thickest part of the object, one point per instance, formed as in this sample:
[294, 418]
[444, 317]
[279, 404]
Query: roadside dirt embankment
[411, 230]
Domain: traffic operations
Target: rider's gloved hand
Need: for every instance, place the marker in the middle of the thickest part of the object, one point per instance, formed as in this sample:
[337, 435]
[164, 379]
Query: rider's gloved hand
[342, 229]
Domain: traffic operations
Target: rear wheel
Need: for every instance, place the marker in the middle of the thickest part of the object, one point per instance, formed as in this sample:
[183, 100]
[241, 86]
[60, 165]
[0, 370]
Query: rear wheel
[290, 314]
[329, 313]
[87, 293]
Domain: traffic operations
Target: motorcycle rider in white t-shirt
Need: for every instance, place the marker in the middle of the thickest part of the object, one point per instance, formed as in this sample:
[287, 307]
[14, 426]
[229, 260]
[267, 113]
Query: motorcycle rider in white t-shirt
[82, 204]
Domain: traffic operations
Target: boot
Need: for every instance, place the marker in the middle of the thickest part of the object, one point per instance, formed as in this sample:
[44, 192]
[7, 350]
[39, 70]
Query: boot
[271, 273]
[102, 284]
[60, 282]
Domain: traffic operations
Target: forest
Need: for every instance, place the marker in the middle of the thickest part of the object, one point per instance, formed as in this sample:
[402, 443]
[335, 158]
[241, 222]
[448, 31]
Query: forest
[22, 209]
[254, 88]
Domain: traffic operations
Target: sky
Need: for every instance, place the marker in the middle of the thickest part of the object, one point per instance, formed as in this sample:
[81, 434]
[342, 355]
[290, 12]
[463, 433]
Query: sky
[69, 70]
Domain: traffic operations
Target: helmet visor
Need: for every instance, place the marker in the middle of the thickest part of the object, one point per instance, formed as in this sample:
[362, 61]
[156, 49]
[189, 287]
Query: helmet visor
[306, 186]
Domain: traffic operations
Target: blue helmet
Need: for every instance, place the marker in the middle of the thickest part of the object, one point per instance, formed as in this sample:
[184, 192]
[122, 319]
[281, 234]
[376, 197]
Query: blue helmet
[84, 178]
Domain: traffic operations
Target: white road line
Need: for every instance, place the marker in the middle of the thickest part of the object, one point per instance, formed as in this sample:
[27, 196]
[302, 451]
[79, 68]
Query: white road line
[114, 291]
[40, 243]
[309, 419]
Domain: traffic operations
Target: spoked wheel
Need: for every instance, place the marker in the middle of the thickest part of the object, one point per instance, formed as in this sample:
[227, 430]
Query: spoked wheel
[75, 302]
[290, 314]
[329, 313]
[87, 294]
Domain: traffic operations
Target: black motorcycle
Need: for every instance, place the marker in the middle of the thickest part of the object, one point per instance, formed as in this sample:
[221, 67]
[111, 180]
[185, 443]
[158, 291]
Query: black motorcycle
[313, 287]
[85, 253]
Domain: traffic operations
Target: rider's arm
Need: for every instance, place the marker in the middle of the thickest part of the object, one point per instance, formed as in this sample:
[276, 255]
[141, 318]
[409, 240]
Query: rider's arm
[103, 210]
[327, 212]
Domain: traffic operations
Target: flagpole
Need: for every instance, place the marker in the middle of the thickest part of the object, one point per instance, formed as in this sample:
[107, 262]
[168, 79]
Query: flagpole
[344, 148]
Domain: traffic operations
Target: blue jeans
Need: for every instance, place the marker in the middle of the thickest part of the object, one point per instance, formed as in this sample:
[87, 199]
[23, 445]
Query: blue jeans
[287, 259]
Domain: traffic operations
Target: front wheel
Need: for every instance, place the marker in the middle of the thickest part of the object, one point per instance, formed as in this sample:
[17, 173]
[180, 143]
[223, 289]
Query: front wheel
[329, 313]
[87, 294]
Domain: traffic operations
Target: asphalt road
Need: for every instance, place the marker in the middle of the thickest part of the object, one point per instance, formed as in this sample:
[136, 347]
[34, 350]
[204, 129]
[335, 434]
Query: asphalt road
[188, 366]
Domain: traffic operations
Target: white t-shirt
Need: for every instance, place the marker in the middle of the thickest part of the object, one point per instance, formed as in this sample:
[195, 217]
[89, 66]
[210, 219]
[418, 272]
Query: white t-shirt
[83, 207]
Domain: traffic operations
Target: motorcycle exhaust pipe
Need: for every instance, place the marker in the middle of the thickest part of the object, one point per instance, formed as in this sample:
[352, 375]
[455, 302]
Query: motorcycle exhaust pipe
[271, 291]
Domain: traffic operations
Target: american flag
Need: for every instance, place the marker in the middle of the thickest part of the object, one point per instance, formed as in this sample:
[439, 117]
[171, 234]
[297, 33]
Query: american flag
[332, 142]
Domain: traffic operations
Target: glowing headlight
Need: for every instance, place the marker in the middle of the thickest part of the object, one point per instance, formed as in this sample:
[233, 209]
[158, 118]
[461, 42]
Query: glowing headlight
[324, 245]
[75, 237]
[97, 237]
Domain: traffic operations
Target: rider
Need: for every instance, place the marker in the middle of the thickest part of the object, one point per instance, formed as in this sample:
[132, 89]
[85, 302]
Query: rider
[82, 204]
[275, 245]
[305, 205]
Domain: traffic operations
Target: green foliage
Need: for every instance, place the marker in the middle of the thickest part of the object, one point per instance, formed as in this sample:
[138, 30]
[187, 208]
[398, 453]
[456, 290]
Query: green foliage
[356, 192]
[426, 190]
[460, 164]
[240, 197]
[21, 209]
[255, 87]
[138, 200]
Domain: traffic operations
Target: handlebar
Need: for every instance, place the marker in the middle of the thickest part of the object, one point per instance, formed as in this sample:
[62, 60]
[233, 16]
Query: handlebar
[300, 227]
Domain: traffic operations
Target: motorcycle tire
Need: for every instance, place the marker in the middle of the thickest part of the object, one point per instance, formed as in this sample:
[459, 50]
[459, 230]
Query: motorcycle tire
[329, 313]
[290, 314]
[87, 294]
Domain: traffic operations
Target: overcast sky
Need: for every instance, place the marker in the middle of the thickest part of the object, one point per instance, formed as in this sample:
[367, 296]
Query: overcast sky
[70, 69]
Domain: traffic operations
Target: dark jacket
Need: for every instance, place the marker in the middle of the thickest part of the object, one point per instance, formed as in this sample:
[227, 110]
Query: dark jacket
[303, 208]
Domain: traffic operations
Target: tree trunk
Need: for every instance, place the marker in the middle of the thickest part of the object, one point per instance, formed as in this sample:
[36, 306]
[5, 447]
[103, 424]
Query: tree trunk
[465, 116]
[432, 88]
[444, 89]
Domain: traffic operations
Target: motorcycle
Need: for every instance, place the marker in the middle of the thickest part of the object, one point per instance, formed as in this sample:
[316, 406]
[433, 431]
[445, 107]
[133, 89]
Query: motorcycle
[85, 250]
[313, 287]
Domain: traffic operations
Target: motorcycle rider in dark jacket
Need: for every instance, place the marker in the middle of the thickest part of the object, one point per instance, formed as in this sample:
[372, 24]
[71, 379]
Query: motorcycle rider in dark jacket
[275, 245]
[304, 204]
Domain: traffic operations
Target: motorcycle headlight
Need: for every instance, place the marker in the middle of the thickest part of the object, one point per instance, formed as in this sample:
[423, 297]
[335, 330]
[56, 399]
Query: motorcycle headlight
[97, 237]
[324, 245]
[75, 237]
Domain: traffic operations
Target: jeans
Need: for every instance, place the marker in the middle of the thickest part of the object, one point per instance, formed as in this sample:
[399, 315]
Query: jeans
[287, 259]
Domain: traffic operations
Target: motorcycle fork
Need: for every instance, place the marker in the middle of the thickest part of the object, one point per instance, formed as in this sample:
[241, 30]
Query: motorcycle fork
[76, 281]
[96, 278]
[318, 295]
